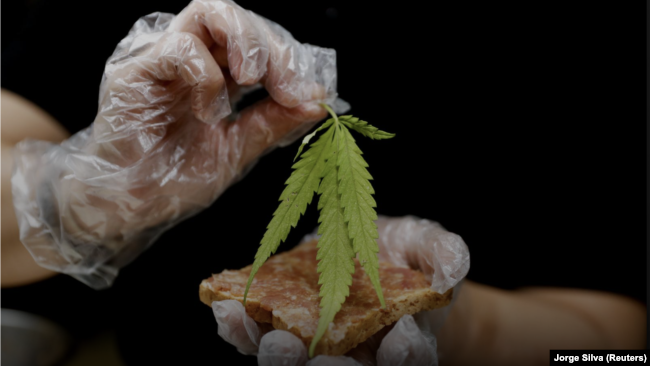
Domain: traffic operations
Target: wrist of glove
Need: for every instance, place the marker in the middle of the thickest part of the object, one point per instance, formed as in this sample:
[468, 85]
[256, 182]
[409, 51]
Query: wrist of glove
[410, 242]
[165, 143]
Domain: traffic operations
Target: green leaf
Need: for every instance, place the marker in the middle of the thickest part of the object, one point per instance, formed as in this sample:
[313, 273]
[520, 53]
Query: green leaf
[300, 189]
[333, 167]
[365, 128]
[335, 253]
[305, 140]
[358, 206]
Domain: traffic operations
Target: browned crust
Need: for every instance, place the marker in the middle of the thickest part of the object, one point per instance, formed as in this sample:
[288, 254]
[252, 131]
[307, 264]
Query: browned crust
[414, 302]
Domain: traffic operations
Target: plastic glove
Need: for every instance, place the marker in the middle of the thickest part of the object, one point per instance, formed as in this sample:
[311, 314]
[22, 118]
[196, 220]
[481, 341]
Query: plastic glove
[444, 259]
[409, 242]
[164, 144]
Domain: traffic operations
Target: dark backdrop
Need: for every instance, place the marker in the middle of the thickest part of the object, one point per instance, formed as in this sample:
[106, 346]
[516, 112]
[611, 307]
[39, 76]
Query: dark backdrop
[519, 127]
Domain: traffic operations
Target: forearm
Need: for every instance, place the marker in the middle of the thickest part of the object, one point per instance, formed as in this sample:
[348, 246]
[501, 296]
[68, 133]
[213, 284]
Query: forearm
[20, 119]
[18, 267]
[492, 326]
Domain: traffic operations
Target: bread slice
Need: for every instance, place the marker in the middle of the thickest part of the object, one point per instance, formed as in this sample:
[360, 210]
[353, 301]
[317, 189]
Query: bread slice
[285, 290]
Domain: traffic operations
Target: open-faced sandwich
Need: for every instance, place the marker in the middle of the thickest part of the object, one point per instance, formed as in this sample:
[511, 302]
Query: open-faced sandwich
[284, 294]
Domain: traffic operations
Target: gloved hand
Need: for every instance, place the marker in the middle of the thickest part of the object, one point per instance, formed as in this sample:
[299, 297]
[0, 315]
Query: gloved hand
[410, 242]
[164, 144]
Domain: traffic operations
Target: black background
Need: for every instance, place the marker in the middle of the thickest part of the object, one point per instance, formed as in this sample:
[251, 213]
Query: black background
[520, 127]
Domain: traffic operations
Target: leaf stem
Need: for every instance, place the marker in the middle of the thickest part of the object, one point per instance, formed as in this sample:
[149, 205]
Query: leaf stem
[331, 112]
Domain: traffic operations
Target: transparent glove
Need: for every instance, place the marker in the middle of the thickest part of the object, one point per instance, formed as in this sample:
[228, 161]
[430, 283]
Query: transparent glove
[443, 257]
[409, 242]
[164, 144]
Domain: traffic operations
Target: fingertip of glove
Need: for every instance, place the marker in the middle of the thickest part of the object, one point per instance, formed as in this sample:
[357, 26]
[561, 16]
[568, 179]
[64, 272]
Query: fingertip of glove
[280, 347]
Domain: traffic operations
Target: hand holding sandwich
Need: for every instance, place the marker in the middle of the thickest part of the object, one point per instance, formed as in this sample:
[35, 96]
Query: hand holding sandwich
[164, 144]
[409, 242]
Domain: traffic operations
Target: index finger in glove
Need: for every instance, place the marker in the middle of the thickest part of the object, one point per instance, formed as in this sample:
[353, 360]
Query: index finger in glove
[257, 49]
[297, 72]
[232, 29]
[425, 245]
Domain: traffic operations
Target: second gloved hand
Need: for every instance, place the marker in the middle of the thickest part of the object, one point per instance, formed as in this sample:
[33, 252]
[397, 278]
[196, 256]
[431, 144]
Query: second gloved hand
[164, 144]
[409, 242]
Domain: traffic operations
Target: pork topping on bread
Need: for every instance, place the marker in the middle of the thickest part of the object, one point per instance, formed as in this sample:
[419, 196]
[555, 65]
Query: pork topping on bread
[285, 294]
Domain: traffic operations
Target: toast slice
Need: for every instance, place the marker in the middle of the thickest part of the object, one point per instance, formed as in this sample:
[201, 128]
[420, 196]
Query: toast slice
[285, 290]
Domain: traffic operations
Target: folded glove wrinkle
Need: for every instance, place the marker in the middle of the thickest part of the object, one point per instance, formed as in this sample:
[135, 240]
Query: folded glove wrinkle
[406, 345]
[425, 245]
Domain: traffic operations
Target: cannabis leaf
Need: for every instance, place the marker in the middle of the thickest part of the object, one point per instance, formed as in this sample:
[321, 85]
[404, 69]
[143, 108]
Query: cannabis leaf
[365, 128]
[299, 192]
[333, 167]
[305, 141]
[335, 254]
[359, 206]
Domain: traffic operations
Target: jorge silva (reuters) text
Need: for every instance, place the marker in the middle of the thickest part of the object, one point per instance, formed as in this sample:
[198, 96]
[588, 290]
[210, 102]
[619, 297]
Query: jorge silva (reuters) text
[590, 357]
